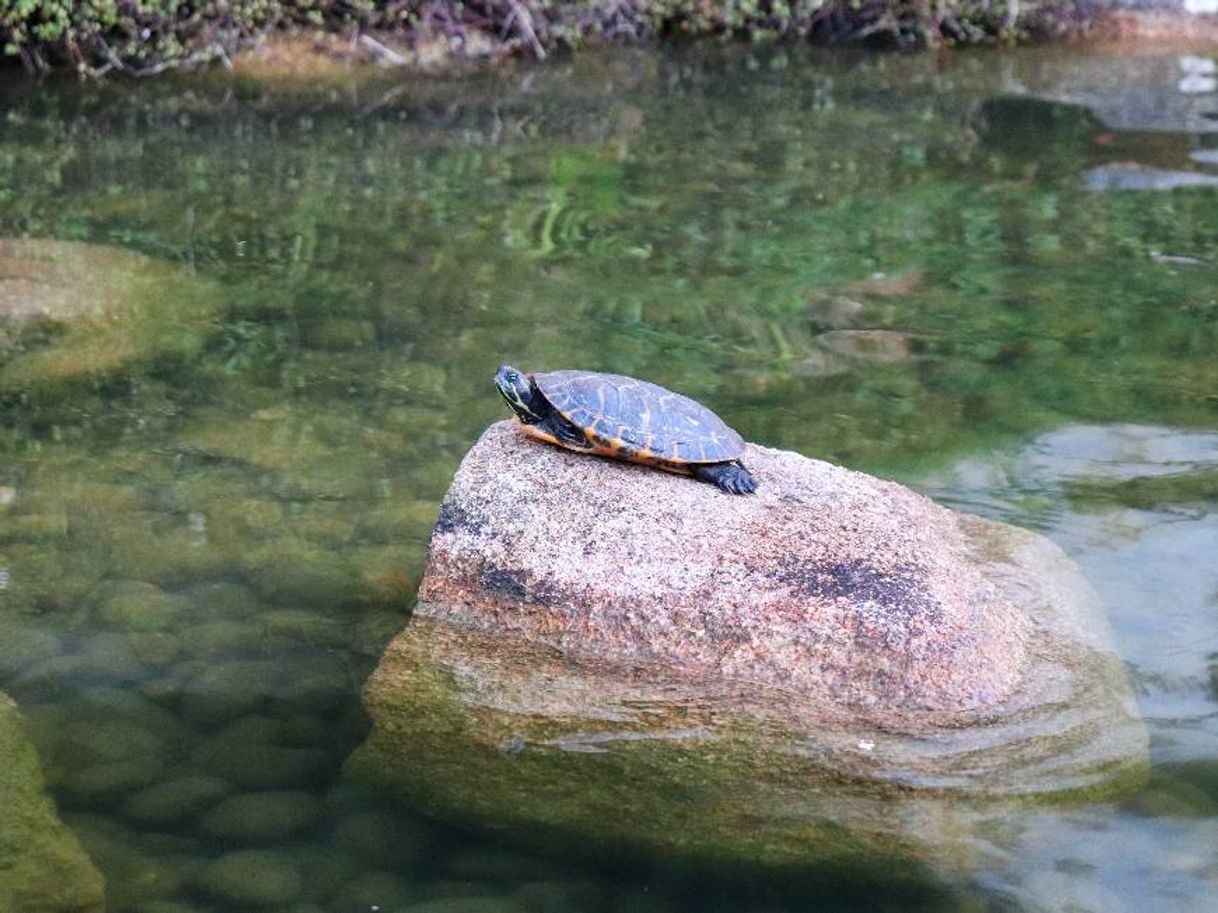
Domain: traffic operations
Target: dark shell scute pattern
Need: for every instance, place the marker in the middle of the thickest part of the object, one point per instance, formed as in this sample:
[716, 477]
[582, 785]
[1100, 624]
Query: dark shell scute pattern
[641, 416]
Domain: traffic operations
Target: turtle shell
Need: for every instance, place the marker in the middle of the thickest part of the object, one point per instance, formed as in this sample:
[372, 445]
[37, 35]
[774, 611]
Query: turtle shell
[634, 419]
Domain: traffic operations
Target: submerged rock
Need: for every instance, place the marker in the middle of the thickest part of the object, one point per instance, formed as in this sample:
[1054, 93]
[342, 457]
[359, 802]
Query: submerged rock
[634, 656]
[43, 868]
[71, 310]
[265, 817]
[252, 878]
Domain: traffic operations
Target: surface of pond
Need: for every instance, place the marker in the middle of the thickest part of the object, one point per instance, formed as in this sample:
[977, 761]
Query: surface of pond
[930, 268]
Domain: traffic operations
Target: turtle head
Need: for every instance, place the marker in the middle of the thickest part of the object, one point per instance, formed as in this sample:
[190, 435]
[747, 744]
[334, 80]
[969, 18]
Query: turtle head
[517, 391]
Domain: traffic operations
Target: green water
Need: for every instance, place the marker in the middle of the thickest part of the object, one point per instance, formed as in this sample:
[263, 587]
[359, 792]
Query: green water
[204, 546]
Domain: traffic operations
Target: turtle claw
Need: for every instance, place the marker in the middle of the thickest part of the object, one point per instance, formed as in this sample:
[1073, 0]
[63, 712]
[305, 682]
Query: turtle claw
[730, 477]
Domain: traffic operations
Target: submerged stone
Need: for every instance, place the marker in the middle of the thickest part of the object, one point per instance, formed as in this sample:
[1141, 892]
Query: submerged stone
[110, 658]
[253, 878]
[832, 671]
[290, 628]
[881, 347]
[220, 639]
[215, 693]
[99, 757]
[474, 904]
[154, 649]
[22, 646]
[43, 868]
[338, 334]
[295, 575]
[263, 817]
[259, 752]
[135, 872]
[375, 891]
[70, 310]
[174, 802]
[171, 906]
[136, 605]
[384, 839]
[106, 780]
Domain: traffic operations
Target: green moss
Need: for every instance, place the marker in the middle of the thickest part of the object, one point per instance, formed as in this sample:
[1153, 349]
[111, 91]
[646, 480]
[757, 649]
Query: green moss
[1145, 492]
[42, 867]
[534, 778]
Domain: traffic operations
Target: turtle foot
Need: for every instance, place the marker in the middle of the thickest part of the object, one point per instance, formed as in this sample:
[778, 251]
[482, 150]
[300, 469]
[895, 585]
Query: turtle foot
[731, 477]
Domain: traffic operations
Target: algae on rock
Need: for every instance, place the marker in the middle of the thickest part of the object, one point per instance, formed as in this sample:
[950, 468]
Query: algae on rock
[71, 311]
[43, 868]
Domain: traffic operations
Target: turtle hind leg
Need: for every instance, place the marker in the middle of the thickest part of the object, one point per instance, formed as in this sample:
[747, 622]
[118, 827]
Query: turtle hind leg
[732, 477]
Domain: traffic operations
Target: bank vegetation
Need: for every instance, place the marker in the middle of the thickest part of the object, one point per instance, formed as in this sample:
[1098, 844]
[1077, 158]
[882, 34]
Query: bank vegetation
[149, 36]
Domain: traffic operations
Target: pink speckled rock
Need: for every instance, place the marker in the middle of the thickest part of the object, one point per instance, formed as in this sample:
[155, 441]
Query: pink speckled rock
[833, 672]
[827, 582]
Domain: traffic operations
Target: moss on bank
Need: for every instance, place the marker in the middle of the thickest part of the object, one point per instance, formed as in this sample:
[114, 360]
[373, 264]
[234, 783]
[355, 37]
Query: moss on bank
[147, 36]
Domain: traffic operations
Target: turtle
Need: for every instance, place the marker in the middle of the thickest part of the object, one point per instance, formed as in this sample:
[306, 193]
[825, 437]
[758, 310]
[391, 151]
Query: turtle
[628, 419]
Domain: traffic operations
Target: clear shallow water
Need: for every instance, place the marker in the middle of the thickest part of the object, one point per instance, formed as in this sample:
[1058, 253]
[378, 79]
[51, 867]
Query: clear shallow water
[885, 262]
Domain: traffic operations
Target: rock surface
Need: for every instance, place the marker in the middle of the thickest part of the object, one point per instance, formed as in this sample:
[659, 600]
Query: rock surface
[42, 866]
[833, 671]
[827, 582]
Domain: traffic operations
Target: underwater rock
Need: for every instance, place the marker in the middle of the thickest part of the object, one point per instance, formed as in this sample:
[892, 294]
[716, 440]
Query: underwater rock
[137, 871]
[833, 670]
[385, 839]
[265, 817]
[337, 334]
[472, 904]
[136, 605]
[290, 628]
[43, 868]
[102, 756]
[172, 803]
[297, 576]
[70, 310]
[252, 878]
[259, 752]
[22, 646]
[106, 780]
[153, 649]
[374, 891]
[883, 347]
[216, 692]
[219, 639]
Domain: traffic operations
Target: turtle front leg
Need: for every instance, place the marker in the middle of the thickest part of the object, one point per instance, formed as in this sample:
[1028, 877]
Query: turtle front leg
[732, 477]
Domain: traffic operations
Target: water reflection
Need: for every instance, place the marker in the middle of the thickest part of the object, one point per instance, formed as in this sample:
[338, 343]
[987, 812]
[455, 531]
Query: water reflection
[1152, 561]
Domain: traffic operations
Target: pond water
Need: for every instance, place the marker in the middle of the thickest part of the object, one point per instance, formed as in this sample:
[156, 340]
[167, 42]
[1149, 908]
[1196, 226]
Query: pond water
[975, 273]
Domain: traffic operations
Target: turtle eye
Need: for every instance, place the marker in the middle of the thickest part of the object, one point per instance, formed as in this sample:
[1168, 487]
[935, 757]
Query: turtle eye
[512, 377]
